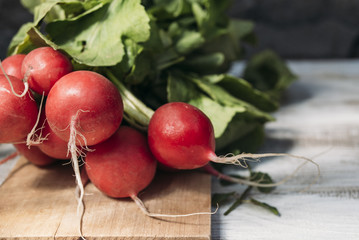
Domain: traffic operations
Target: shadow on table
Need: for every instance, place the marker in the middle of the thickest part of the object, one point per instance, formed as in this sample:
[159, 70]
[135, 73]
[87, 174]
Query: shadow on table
[276, 145]
[271, 145]
[298, 92]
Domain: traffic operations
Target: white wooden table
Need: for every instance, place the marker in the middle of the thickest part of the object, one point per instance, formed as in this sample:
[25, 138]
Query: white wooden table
[320, 120]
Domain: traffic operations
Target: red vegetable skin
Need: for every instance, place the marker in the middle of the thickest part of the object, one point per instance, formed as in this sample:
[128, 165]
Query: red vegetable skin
[89, 99]
[34, 155]
[12, 65]
[52, 145]
[43, 67]
[18, 115]
[123, 165]
[181, 136]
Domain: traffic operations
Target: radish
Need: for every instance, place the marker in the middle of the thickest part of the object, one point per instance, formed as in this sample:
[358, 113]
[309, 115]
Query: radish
[43, 67]
[85, 103]
[34, 155]
[181, 136]
[123, 165]
[18, 114]
[12, 65]
[83, 108]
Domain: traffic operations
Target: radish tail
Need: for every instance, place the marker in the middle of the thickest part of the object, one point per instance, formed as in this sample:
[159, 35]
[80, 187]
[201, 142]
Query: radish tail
[32, 138]
[75, 154]
[143, 208]
[8, 158]
[242, 160]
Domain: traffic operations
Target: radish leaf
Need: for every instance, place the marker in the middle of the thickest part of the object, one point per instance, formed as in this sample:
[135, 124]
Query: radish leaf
[96, 38]
[272, 209]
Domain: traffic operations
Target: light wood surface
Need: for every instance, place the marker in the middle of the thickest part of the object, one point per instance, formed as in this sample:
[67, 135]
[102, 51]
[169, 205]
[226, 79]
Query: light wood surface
[40, 203]
[319, 119]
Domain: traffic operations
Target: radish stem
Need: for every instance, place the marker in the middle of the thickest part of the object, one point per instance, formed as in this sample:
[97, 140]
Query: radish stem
[135, 111]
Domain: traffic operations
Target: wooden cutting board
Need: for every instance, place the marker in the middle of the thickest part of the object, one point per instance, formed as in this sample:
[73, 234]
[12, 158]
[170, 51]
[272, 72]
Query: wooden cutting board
[40, 203]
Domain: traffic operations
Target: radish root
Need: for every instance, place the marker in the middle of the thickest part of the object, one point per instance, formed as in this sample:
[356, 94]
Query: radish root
[9, 157]
[242, 160]
[32, 138]
[75, 154]
[143, 208]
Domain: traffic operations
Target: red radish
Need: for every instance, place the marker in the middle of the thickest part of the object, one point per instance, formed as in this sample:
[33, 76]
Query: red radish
[12, 65]
[123, 165]
[34, 155]
[181, 136]
[87, 100]
[43, 67]
[19, 114]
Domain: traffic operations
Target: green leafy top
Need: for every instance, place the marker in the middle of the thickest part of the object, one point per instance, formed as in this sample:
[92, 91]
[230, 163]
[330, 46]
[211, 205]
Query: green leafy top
[158, 51]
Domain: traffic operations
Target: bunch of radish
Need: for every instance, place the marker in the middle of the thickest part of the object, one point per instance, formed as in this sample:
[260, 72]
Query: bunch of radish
[82, 118]
[81, 121]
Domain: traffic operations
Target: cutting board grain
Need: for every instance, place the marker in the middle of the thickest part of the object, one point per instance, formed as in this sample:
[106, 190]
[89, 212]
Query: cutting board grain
[40, 203]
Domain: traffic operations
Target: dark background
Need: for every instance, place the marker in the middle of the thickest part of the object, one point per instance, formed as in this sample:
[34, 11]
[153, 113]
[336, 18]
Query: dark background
[313, 29]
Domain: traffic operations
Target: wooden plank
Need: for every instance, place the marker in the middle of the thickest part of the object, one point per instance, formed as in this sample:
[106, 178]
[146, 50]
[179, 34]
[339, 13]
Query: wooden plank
[40, 203]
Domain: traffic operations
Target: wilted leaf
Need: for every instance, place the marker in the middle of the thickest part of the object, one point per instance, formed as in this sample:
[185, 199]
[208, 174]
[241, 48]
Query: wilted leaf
[239, 201]
[272, 209]
[262, 178]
